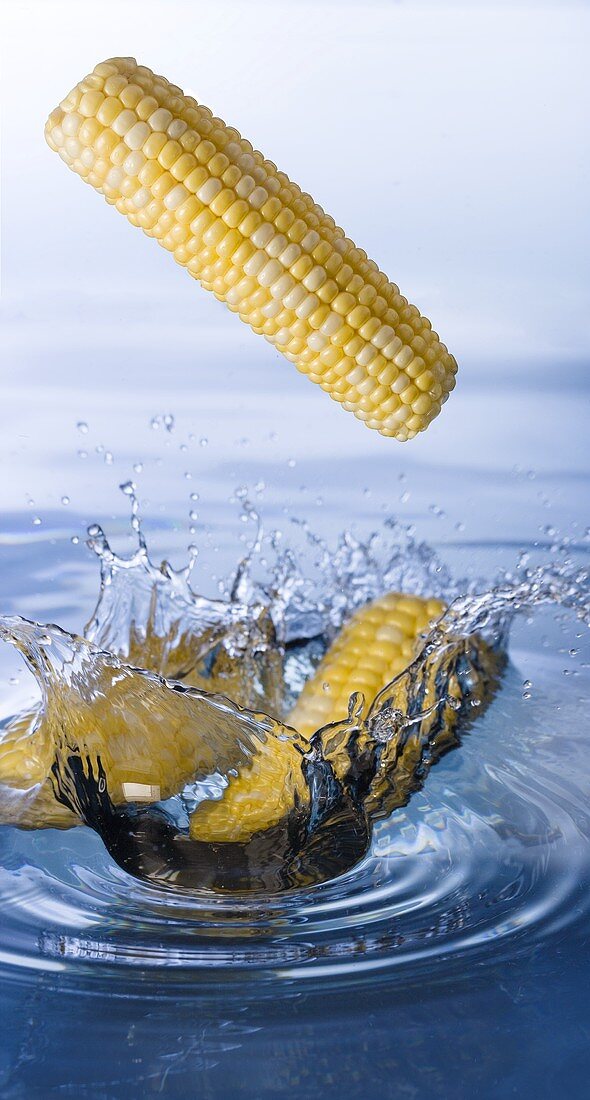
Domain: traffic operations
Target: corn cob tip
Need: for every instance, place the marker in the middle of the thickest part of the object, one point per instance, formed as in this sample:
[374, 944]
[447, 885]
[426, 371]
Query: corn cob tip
[250, 235]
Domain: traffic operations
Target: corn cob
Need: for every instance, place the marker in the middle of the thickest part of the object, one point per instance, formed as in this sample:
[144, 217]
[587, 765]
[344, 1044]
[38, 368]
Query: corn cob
[251, 236]
[377, 643]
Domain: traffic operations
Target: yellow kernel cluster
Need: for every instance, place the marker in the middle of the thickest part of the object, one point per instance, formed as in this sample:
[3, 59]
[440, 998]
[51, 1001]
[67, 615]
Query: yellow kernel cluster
[377, 643]
[250, 235]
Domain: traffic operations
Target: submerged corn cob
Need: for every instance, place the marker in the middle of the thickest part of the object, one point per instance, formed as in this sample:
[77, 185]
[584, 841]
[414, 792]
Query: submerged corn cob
[250, 235]
[377, 643]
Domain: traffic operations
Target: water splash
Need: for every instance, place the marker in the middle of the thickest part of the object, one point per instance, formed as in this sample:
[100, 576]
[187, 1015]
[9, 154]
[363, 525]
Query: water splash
[166, 701]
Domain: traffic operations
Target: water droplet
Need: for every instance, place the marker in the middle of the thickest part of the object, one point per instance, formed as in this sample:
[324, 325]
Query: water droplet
[82, 427]
[195, 496]
[74, 540]
[188, 475]
[203, 442]
[108, 457]
[527, 695]
[527, 684]
[138, 467]
[65, 500]
[127, 487]
[193, 515]
[82, 454]
[169, 422]
[404, 498]
[291, 463]
[36, 521]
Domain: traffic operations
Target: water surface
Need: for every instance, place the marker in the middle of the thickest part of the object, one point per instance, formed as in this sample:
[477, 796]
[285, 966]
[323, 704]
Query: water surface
[459, 938]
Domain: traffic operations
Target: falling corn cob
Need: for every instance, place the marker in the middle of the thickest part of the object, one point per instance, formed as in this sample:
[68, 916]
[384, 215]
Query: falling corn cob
[251, 236]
